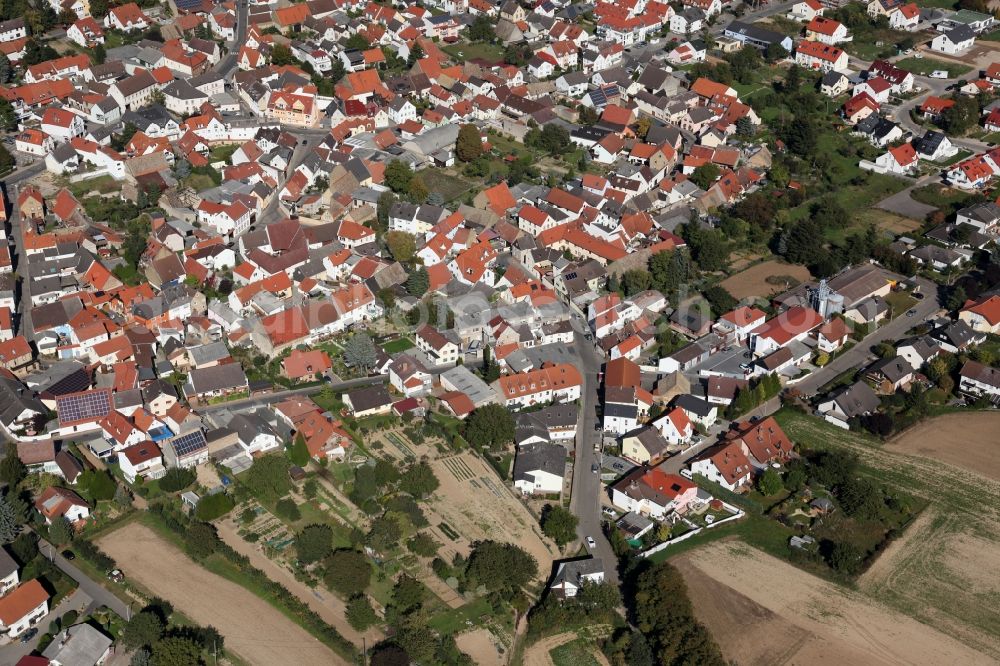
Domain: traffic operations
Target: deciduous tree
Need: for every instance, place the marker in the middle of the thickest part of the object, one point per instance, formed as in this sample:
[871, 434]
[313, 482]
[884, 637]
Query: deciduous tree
[559, 524]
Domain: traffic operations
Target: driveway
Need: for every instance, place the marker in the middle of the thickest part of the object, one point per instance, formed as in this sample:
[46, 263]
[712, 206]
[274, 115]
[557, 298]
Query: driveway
[903, 204]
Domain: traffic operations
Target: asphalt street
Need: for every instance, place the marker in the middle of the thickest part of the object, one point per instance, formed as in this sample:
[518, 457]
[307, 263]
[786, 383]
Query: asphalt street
[93, 589]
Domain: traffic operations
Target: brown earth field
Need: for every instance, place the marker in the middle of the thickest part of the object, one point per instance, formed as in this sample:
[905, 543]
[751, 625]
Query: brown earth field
[968, 440]
[941, 571]
[764, 611]
[254, 630]
[752, 283]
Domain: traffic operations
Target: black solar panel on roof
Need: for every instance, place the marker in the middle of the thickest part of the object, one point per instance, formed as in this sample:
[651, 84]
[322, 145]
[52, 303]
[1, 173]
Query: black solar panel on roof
[189, 443]
[74, 382]
[86, 406]
[188, 4]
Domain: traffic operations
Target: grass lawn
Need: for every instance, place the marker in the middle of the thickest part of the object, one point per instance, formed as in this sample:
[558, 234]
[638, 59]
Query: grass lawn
[101, 184]
[962, 154]
[990, 37]
[880, 44]
[900, 302]
[397, 345]
[448, 185]
[222, 152]
[575, 653]
[452, 620]
[199, 182]
[464, 52]
[946, 198]
[939, 4]
[925, 66]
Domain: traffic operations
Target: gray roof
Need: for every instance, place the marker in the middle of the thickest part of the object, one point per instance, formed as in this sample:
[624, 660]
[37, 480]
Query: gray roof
[573, 571]
[464, 380]
[7, 564]
[248, 426]
[213, 351]
[369, 397]
[217, 378]
[79, 645]
[857, 399]
[549, 458]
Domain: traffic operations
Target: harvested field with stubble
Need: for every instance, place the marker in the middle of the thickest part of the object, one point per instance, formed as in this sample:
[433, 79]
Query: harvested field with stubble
[763, 610]
[752, 283]
[254, 630]
[968, 440]
[475, 505]
[942, 569]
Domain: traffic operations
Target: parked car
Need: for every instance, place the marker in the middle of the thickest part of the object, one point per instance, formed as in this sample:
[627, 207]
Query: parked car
[68, 554]
[116, 576]
[591, 544]
[911, 313]
[686, 473]
[594, 468]
[29, 634]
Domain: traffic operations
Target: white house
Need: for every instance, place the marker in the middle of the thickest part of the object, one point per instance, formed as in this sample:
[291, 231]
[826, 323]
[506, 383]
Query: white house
[127, 18]
[820, 57]
[439, 347]
[725, 464]
[539, 469]
[957, 40]
[141, 460]
[62, 124]
[980, 380]
[560, 383]
[805, 10]
[827, 31]
[653, 493]
[23, 608]
[571, 576]
[900, 160]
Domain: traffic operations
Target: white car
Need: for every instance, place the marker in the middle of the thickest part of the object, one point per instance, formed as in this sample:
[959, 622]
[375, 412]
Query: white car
[686, 473]
[591, 544]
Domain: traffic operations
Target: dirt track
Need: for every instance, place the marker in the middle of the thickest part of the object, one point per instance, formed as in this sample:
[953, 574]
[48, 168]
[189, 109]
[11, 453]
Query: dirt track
[253, 629]
[764, 611]
[538, 654]
[967, 440]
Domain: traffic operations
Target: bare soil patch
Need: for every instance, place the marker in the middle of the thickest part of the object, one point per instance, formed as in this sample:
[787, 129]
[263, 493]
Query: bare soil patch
[477, 505]
[967, 440]
[254, 630]
[752, 283]
[481, 646]
[765, 611]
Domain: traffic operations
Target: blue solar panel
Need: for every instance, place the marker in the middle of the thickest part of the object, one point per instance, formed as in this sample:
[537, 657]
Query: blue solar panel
[189, 443]
[188, 4]
[84, 406]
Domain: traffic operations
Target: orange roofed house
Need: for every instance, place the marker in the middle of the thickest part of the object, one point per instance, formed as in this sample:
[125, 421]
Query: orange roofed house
[653, 492]
[556, 382]
[23, 608]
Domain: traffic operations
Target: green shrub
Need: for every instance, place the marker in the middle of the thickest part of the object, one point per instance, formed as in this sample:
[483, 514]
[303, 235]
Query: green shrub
[214, 506]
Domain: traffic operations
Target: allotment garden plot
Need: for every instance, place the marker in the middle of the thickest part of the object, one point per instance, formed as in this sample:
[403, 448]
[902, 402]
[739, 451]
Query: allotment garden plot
[473, 504]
